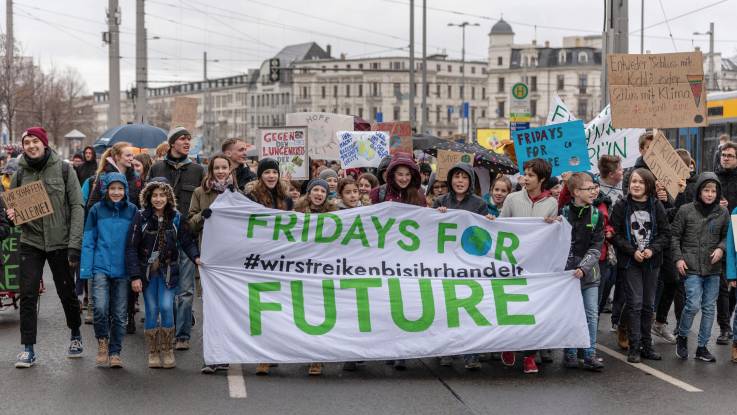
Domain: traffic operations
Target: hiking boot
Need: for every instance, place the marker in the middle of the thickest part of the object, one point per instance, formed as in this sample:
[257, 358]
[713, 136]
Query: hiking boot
[622, 337]
[182, 344]
[508, 358]
[350, 366]
[593, 364]
[546, 356]
[75, 348]
[166, 339]
[649, 354]
[661, 330]
[446, 361]
[25, 359]
[528, 365]
[102, 358]
[633, 356]
[315, 369]
[262, 369]
[152, 340]
[734, 352]
[724, 337]
[702, 353]
[570, 361]
[400, 364]
[473, 362]
[116, 362]
[682, 347]
[130, 328]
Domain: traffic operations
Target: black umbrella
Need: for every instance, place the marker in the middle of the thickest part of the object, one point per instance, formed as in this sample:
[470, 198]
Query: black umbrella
[483, 156]
[425, 141]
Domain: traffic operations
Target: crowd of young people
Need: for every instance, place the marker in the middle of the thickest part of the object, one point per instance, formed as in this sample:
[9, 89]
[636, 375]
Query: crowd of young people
[133, 225]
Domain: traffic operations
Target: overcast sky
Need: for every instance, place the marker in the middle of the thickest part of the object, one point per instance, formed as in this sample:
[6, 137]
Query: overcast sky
[242, 33]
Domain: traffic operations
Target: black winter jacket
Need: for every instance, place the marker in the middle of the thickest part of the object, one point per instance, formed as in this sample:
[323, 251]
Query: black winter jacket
[623, 240]
[728, 180]
[470, 202]
[587, 239]
[243, 176]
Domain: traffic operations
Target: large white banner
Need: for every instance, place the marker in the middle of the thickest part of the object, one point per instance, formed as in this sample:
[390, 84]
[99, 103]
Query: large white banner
[601, 136]
[382, 282]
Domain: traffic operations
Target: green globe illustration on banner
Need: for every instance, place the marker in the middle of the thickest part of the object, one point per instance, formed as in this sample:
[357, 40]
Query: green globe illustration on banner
[476, 241]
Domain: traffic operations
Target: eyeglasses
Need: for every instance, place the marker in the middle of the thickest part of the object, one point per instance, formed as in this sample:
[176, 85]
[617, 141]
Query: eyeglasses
[728, 156]
[440, 186]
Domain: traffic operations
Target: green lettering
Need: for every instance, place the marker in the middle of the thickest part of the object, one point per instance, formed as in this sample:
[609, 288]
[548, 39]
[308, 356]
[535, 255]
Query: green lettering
[382, 230]
[306, 227]
[397, 306]
[322, 239]
[356, 231]
[361, 285]
[298, 306]
[254, 221]
[453, 303]
[256, 307]
[415, 241]
[286, 229]
[501, 248]
[501, 299]
[443, 237]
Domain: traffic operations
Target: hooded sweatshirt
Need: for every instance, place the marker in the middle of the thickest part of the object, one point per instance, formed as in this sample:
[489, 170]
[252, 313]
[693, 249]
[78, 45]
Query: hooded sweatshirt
[391, 192]
[106, 231]
[640, 226]
[470, 201]
[698, 229]
[88, 168]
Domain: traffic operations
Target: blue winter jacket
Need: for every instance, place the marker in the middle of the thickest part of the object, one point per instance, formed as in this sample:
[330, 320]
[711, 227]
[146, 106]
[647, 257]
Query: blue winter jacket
[106, 233]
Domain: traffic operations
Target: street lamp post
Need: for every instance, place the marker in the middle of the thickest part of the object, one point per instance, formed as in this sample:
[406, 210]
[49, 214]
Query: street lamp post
[712, 75]
[463, 71]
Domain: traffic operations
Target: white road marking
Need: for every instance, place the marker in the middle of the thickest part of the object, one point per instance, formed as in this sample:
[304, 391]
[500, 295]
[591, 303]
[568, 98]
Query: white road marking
[649, 370]
[236, 382]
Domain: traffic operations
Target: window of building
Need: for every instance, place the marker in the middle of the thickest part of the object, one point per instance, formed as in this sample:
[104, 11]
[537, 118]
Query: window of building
[360, 90]
[583, 107]
[396, 113]
[348, 91]
[335, 90]
[473, 92]
[461, 92]
[347, 110]
[500, 109]
[533, 107]
[437, 68]
[375, 65]
[533, 84]
[483, 93]
[473, 69]
[583, 83]
[483, 113]
[463, 68]
[526, 61]
[437, 90]
[562, 57]
[438, 111]
[450, 113]
[450, 91]
[323, 68]
[499, 61]
[560, 82]
[322, 92]
[583, 58]
[360, 112]
[450, 68]
[375, 91]
[397, 89]
[500, 84]
[374, 111]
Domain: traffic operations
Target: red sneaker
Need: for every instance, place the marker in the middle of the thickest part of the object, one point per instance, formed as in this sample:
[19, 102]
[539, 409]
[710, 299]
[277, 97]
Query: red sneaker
[508, 358]
[529, 364]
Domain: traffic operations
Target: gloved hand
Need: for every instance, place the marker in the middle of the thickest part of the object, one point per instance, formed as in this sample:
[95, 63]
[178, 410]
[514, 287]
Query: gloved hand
[206, 213]
[73, 257]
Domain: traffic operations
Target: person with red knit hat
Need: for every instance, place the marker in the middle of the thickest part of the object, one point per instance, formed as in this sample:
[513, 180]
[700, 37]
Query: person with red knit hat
[55, 238]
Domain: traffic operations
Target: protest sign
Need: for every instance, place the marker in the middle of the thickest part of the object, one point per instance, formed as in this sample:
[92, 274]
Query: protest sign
[666, 164]
[322, 128]
[492, 138]
[362, 148]
[602, 138]
[185, 113]
[288, 146]
[664, 90]
[447, 159]
[29, 201]
[400, 135]
[563, 145]
[296, 287]
[11, 261]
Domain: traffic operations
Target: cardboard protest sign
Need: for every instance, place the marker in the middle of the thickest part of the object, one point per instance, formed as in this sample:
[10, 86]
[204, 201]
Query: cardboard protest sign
[563, 145]
[29, 201]
[666, 164]
[400, 133]
[185, 113]
[288, 146]
[602, 138]
[447, 159]
[10, 261]
[664, 90]
[322, 128]
[362, 148]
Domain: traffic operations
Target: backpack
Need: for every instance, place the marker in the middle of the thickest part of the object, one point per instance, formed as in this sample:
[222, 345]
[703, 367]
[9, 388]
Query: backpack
[594, 216]
[64, 172]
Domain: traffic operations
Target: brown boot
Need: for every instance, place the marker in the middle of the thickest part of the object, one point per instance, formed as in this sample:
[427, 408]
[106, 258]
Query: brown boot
[166, 343]
[315, 369]
[262, 369]
[152, 338]
[622, 337]
[734, 352]
[102, 358]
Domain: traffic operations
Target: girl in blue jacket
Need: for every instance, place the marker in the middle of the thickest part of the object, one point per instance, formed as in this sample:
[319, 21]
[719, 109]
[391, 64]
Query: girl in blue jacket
[103, 262]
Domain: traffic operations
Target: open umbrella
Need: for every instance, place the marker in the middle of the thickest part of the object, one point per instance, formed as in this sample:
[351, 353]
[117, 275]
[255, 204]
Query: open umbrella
[483, 157]
[139, 135]
[424, 141]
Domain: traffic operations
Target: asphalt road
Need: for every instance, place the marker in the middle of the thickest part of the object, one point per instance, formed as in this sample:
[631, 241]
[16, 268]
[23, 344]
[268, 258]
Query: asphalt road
[58, 385]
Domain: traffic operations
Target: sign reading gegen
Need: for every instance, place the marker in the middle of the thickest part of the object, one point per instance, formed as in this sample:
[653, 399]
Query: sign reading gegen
[288, 146]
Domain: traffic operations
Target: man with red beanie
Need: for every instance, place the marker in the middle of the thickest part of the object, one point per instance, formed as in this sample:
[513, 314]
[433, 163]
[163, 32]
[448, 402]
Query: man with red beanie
[56, 239]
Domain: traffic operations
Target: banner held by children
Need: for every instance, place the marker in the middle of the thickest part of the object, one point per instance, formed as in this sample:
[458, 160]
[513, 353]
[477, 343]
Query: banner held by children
[666, 164]
[663, 90]
[447, 159]
[563, 145]
[288, 146]
[29, 201]
[322, 128]
[9, 280]
[362, 148]
[338, 293]
[400, 135]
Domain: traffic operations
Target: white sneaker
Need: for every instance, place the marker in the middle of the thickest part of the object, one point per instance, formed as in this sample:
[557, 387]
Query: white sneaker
[661, 330]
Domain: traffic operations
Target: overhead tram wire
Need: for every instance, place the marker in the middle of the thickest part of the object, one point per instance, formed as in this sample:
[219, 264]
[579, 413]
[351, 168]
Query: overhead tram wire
[62, 28]
[681, 15]
[667, 24]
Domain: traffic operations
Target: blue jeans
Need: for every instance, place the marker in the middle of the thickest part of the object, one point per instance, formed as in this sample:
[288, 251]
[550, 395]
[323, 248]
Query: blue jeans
[159, 302]
[701, 293]
[591, 307]
[185, 295]
[110, 299]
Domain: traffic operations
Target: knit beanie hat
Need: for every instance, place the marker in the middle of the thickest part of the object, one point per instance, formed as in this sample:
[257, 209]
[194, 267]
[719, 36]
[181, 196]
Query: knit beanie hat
[266, 164]
[317, 182]
[38, 132]
[177, 132]
[328, 173]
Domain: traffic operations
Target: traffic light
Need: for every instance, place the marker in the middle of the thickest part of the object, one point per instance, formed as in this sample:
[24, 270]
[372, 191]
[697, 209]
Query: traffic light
[274, 70]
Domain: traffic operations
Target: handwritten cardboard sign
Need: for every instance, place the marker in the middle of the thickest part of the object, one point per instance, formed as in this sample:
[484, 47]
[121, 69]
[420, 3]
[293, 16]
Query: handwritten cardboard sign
[563, 145]
[322, 128]
[29, 201]
[288, 146]
[362, 148]
[185, 113]
[9, 279]
[666, 164]
[663, 90]
[447, 159]
[400, 133]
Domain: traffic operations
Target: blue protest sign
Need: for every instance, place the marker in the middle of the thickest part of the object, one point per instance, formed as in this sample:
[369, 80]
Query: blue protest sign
[563, 145]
